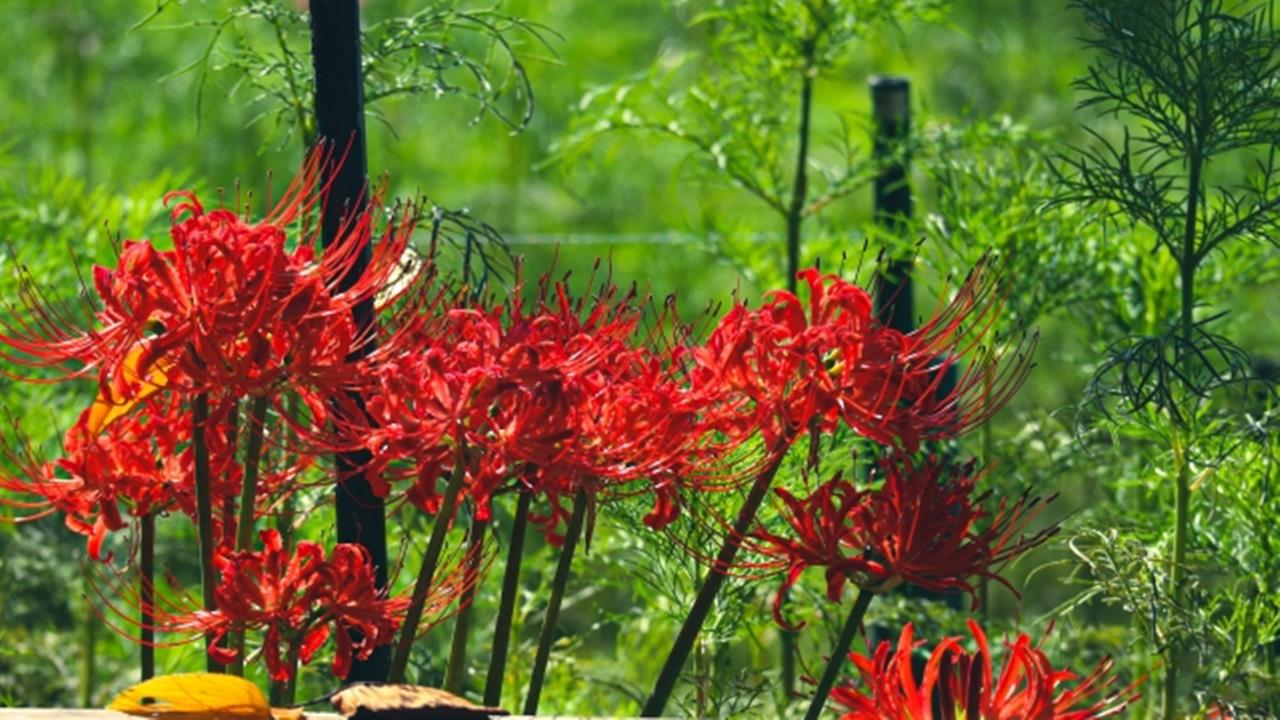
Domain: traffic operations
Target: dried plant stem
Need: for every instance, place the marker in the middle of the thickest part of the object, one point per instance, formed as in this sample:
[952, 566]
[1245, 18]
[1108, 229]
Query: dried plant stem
[507, 603]
[838, 653]
[248, 504]
[455, 670]
[711, 584]
[204, 512]
[146, 594]
[558, 584]
[426, 572]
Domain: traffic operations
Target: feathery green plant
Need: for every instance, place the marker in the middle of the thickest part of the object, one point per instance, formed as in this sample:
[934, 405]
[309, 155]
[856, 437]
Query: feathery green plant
[1192, 84]
[746, 110]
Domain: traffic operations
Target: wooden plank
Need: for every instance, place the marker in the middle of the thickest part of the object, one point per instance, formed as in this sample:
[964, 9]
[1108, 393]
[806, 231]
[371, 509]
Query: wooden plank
[78, 714]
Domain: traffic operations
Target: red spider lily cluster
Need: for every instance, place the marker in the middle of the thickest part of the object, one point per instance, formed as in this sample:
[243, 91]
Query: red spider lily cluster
[139, 464]
[792, 367]
[298, 599]
[549, 401]
[923, 525]
[960, 684]
[567, 401]
[234, 311]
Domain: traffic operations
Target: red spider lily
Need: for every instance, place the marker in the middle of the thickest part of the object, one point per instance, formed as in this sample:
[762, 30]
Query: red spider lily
[918, 527]
[958, 684]
[551, 398]
[822, 524]
[298, 599]
[798, 370]
[231, 309]
[922, 528]
[775, 359]
[915, 364]
[138, 465]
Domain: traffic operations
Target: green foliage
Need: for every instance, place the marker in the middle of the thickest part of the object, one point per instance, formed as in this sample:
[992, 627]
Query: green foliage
[441, 49]
[743, 109]
[1193, 84]
[682, 120]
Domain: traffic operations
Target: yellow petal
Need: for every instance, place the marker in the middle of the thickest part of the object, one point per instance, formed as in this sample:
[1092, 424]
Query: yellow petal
[107, 409]
[194, 696]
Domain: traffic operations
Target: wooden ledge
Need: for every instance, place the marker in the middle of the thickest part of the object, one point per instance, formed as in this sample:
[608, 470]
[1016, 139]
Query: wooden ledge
[56, 712]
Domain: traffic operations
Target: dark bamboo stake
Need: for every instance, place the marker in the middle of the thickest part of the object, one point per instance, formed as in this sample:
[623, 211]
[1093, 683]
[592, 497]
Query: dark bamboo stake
[507, 603]
[454, 672]
[339, 106]
[426, 573]
[711, 584]
[146, 593]
[891, 106]
[558, 584]
[838, 653]
[249, 503]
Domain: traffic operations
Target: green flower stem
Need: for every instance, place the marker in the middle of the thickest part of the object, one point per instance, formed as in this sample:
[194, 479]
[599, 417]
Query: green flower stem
[1182, 504]
[288, 507]
[88, 649]
[146, 594]
[426, 572]
[282, 692]
[507, 603]
[204, 512]
[711, 584]
[248, 504]
[800, 185]
[1182, 491]
[988, 460]
[789, 638]
[558, 583]
[838, 653]
[455, 670]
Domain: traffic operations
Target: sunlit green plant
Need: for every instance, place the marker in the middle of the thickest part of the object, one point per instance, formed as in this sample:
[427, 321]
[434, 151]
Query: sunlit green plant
[746, 110]
[1191, 84]
[443, 49]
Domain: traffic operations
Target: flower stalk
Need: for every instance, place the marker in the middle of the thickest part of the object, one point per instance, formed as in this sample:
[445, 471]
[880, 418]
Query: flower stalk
[507, 602]
[281, 692]
[426, 572]
[839, 653]
[456, 669]
[710, 588]
[248, 503]
[204, 513]
[558, 584]
[146, 594]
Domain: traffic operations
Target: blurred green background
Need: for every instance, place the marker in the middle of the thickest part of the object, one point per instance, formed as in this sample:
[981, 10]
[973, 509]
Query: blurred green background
[101, 113]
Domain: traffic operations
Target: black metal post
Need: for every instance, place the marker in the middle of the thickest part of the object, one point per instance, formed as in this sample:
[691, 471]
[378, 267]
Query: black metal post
[891, 107]
[335, 54]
